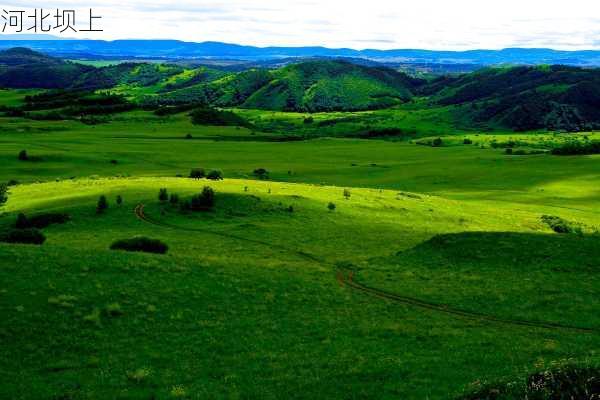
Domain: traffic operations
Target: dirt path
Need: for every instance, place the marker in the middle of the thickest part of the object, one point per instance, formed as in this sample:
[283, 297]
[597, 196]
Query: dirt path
[346, 279]
[139, 212]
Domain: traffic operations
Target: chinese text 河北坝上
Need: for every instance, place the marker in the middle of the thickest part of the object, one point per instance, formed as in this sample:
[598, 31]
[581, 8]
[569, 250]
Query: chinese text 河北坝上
[40, 20]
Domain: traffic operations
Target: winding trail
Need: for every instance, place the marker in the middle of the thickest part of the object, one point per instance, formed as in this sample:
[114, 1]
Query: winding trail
[346, 279]
[139, 212]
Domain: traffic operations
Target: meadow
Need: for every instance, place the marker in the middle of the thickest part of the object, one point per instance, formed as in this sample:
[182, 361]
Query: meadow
[254, 298]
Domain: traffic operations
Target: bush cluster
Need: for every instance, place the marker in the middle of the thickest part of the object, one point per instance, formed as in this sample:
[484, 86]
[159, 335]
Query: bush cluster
[215, 175]
[261, 173]
[163, 195]
[562, 382]
[24, 236]
[577, 148]
[3, 193]
[140, 244]
[203, 201]
[41, 221]
[560, 225]
[197, 173]
[211, 116]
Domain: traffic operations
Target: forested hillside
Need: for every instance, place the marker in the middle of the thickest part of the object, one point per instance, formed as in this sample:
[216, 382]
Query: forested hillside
[524, 98]
[519, 98]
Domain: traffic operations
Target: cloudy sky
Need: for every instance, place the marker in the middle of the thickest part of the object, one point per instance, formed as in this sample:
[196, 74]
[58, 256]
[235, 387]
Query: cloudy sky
[430, 24]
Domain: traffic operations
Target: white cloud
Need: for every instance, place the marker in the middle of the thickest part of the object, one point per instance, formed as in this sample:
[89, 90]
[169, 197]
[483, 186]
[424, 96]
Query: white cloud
[432, 24]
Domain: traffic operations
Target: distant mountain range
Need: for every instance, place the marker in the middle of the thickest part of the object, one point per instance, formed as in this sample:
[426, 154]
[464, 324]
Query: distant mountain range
[520, 97]
[175, 49]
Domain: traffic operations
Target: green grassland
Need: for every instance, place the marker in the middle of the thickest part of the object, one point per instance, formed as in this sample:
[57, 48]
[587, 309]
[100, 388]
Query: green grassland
[237, 308]
[246, 303]
[14, 97]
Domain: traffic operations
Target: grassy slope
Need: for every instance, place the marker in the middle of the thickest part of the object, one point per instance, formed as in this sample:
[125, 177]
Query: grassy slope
[157, 147]
[223, 317]
[15, 97]
[220, 316]
[327, 86]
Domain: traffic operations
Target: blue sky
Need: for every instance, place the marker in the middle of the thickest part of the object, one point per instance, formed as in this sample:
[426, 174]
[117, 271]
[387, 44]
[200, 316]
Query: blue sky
[456, 25]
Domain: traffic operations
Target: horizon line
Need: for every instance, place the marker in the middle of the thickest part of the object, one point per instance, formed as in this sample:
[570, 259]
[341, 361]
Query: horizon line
[47, 37]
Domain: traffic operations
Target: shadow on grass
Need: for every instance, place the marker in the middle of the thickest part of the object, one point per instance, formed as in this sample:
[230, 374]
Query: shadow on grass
[525, 251]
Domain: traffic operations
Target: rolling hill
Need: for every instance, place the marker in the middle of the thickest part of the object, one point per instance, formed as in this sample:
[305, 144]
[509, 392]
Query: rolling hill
[24, 68]
[332, 85]
[322, 85]
[525, 98]
[518, 98]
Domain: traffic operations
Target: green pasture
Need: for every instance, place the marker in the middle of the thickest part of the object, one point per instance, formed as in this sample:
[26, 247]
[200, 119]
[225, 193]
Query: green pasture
[246, 303]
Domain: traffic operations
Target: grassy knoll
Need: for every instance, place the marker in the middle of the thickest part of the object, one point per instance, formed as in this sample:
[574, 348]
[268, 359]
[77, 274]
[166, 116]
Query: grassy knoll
[243, 311]
[156, 146]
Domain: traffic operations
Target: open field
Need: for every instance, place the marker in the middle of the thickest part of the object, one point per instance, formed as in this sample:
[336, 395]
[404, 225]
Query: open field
[221, 314]
[253, 298]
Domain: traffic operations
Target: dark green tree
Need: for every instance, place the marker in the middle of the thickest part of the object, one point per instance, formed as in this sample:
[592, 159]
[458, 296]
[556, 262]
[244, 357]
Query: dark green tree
[215, 175]
[3, 193]
[163, 195]
[102, 205]
[197, 173]
[204, 200]
[261, 173]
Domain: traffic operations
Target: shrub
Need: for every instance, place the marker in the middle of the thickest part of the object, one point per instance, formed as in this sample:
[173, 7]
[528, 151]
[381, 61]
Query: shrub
[139, 375]
[114, 162]
[560, 382]
[12, 182]
[102, 205]
[119, 200]
[23, 155]
[3, 193]
[309, 120]
[24, 236]
[261, 173]
[188, 136]
[467, 141]
[22, 222]
[211, 116]
[560, 225]
[437, 142]
[197, 173]
[140, 244]
[215, 175]
[347, 194]
[174, 199]
[508, 150]
[163, 195]
[576, 148]
[41, 221]
[204, 200]
[113, 310]
[331, 206]
[185, 205]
